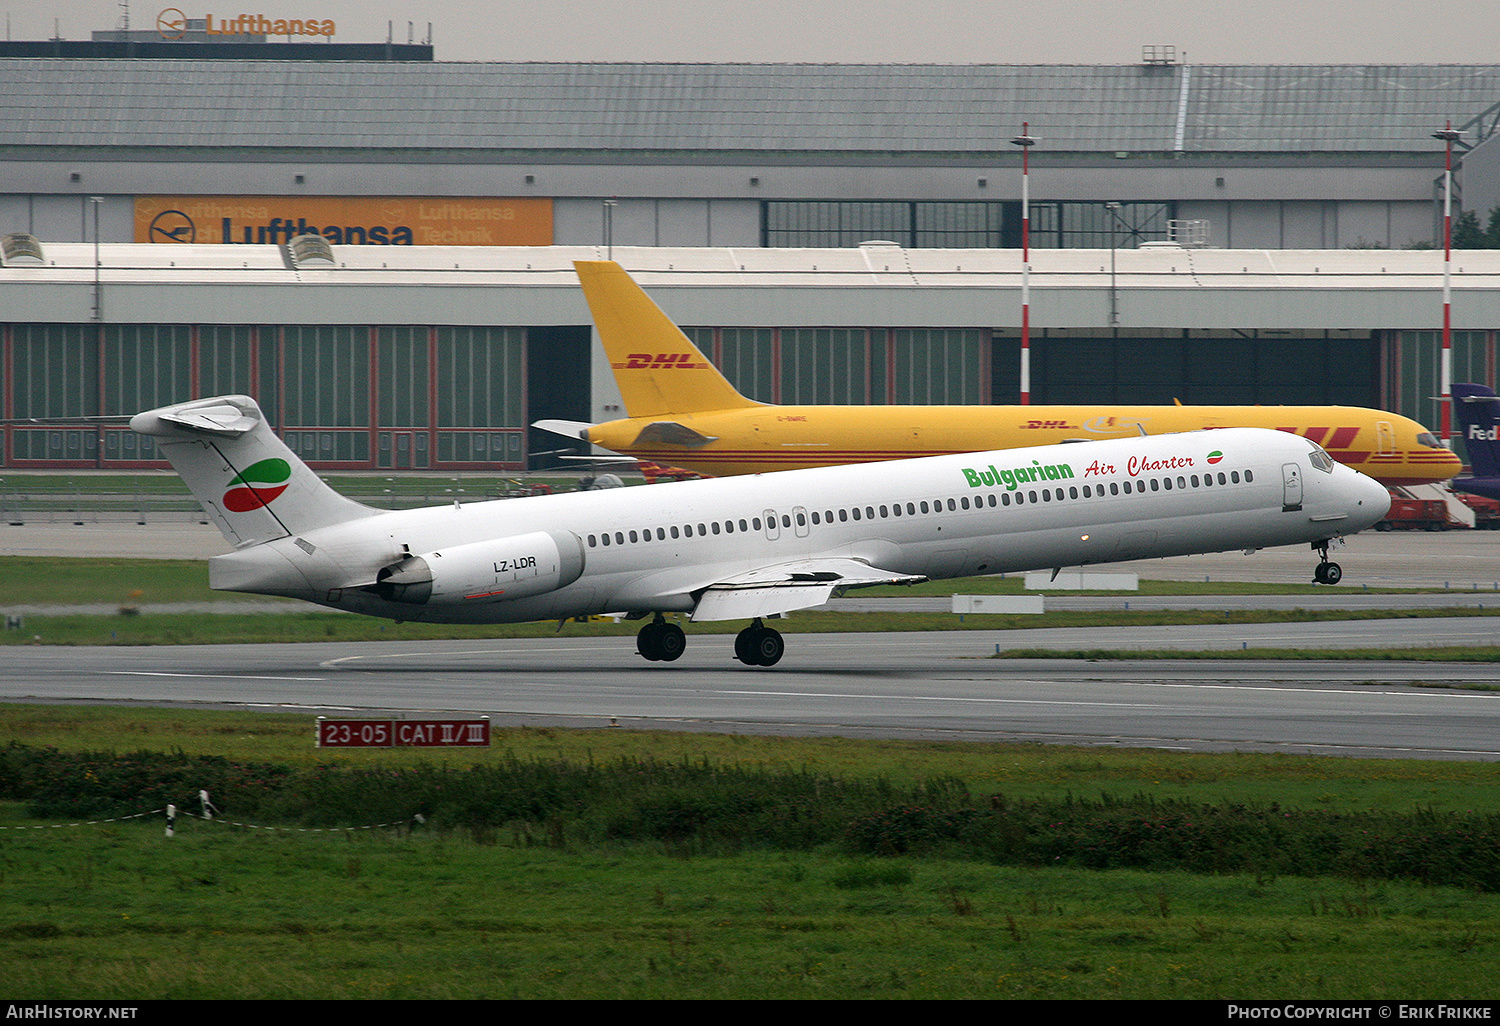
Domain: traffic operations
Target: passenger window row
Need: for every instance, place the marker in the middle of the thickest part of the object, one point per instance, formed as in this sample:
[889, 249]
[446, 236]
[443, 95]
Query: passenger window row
[912, 509]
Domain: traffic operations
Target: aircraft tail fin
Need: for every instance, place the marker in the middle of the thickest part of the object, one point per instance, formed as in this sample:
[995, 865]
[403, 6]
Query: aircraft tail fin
[657, 367]
[248, 481]
[1478, 412]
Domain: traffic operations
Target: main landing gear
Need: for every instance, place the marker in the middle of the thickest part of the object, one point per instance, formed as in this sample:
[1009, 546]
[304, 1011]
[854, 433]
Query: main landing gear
[660, 640]
[758, 645]
[1327, 572]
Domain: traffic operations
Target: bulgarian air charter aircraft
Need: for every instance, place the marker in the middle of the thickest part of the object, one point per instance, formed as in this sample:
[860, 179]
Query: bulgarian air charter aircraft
[682, 412]
[747, 548]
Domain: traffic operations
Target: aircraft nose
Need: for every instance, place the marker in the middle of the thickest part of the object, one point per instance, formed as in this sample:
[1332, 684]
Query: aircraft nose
[1370, 500]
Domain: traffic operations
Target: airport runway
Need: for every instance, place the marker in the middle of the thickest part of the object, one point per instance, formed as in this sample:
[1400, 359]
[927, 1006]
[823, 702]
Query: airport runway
[928, 685]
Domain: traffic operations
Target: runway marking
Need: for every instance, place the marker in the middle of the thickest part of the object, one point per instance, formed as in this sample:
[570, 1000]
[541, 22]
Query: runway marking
[205, 676]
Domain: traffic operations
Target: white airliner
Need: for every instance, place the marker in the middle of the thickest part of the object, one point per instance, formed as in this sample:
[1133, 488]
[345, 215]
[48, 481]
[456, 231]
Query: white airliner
[748, 547]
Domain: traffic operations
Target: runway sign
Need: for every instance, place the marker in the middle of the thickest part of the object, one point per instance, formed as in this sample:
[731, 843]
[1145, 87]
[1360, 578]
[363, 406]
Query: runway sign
[403, 733]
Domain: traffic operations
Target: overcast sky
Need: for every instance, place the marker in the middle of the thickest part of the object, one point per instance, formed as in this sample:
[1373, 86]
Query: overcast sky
[848, 31]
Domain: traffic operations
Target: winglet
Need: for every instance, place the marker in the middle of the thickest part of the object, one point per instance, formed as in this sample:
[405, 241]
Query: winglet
[658, 369]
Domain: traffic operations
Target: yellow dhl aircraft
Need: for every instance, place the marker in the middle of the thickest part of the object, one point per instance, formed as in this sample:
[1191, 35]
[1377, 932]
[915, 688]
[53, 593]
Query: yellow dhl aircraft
[683, 412]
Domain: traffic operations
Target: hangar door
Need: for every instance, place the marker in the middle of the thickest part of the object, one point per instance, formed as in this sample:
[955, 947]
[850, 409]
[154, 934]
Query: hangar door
[1238, 371]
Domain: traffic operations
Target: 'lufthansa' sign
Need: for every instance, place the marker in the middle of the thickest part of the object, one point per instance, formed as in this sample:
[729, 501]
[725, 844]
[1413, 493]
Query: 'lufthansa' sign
[171, 23]
[354, 221]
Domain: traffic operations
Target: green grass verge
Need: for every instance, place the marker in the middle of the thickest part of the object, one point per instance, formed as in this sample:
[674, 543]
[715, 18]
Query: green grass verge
[534, 910]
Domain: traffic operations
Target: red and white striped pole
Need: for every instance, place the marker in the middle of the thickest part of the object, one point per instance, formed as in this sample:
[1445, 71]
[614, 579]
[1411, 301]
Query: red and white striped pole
[1026, 142]
[1449, 135]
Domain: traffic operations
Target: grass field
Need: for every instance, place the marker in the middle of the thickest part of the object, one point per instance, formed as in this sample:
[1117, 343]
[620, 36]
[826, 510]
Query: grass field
[538, 910]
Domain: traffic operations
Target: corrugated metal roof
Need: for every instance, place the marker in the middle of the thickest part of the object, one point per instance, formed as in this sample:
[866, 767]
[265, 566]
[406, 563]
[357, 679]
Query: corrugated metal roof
[725, 107]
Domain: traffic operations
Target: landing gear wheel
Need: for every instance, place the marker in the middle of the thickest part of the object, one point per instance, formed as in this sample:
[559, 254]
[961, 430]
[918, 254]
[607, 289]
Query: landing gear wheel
[758, 646]
[646, 641]
[768, 647]
[660, 641]
[744, 646]
[670, 643]
[1328, 573]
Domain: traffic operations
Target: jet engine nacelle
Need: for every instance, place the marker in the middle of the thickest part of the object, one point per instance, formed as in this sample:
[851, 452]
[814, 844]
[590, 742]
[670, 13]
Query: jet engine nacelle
[487, 571]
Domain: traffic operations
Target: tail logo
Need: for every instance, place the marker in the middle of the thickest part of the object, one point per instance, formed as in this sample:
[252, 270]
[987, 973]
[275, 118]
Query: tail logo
[258, 486]
[661, 361]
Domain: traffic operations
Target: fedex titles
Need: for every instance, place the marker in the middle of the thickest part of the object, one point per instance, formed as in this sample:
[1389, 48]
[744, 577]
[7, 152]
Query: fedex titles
[1479, 434]
[260, 25]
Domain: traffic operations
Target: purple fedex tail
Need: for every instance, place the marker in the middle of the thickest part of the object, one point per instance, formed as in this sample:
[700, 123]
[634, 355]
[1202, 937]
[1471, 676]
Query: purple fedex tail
[1478, 412]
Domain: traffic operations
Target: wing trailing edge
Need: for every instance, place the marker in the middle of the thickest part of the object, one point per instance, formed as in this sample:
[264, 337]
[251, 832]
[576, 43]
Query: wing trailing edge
[768, 591]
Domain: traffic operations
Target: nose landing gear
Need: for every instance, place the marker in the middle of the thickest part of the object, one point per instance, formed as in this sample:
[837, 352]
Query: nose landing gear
[1327, 572]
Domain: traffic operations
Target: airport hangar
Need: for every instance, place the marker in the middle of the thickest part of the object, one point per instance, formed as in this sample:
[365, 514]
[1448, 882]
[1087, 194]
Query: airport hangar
[740, 195]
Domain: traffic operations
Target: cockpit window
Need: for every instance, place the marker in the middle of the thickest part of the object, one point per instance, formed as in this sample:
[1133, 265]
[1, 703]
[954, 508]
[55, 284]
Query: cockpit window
[1430, 440]
[1320, 460]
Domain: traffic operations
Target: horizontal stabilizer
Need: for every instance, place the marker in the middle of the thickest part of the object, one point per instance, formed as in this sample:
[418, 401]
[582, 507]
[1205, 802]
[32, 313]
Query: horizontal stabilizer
[787, 586]
[566, 428]
[669, 432]
[223, 419]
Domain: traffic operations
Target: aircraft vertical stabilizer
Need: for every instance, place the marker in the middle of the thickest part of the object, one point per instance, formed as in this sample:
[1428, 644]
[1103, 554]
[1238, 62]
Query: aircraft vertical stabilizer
[1477, 411]
[254, 487]
[659, 371]
[1478, 414]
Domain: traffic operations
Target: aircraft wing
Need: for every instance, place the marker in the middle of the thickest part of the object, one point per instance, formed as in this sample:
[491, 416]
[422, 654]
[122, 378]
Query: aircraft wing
[786, 586]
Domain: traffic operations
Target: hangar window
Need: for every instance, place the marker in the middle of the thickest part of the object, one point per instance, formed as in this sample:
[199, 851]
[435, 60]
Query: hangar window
[981, 224]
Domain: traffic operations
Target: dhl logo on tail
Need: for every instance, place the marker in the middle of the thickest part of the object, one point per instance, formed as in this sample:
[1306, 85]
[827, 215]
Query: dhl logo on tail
[661, 361]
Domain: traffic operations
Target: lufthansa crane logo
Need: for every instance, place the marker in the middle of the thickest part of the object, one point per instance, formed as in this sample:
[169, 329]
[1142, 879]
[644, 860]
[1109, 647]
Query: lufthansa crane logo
[171, 24]
[173, 226]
